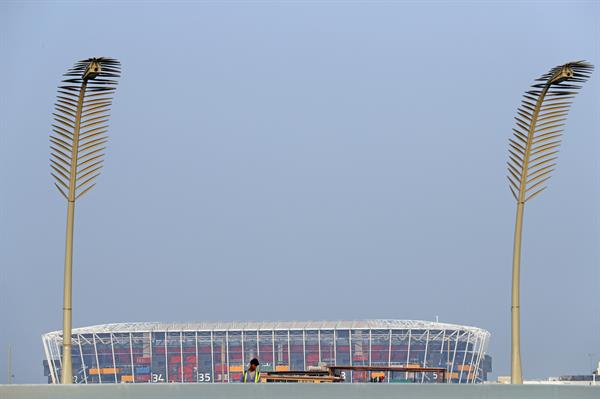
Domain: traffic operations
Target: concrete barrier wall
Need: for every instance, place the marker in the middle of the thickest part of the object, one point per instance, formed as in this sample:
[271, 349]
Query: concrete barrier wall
[297, 391]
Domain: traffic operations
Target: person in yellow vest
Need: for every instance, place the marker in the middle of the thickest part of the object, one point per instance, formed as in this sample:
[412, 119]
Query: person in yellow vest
[252, 374]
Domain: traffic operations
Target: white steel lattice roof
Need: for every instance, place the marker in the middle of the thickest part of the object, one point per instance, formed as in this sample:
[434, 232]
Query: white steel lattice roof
[383, 324]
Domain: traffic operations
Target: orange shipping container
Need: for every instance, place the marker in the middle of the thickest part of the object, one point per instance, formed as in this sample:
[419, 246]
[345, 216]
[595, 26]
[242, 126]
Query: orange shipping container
[282, 368]
[110, 370]
[127, 378]
[233, 369]
[107, 370]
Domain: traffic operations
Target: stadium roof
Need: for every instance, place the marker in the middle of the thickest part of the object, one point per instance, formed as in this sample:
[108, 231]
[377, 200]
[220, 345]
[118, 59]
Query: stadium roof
[384, 324]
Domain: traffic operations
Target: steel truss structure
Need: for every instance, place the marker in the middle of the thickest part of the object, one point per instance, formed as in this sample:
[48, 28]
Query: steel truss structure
[210, 352]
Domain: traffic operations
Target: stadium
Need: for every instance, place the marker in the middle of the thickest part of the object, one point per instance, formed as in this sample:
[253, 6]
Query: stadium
[217, 352]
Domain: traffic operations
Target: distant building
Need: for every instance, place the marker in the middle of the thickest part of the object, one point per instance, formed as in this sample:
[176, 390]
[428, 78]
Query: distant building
[218, 352]
[581, 379]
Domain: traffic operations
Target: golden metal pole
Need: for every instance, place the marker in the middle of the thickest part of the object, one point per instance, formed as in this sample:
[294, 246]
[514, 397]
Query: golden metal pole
[516, 375]
[67, 361]
[67, 368]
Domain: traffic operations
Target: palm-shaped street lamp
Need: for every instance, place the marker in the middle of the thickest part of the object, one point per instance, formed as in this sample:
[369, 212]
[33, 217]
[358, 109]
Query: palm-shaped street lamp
[77, 150]
[532, 158]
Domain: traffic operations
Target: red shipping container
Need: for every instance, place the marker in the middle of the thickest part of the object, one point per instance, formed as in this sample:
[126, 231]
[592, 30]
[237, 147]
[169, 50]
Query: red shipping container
[235, 377]
[220, 368]
[142, 378]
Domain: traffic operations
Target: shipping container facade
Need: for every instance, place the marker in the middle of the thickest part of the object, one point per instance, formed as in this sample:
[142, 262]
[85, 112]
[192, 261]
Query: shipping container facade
[219, 352]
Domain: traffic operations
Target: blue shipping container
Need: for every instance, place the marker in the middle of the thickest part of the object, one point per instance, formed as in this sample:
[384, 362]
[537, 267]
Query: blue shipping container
[142, 369]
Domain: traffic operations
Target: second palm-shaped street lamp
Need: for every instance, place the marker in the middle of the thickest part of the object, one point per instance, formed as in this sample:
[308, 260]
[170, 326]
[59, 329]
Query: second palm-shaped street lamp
[533, 151]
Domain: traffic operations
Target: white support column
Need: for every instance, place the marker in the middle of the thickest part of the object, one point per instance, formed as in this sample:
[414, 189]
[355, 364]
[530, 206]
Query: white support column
[224, 358]
[454, 353]
[425, 356]
[273, 346]
[51, 365]
[57, 348]
[181, 354]
[334, 347]
[243, 352]
[227, 353]
[443, 340]
[151, 352]
[166, 355]
[304, 348]
[389, 357]
[319, 344]
[389, 348]
[447, 353]
[198, 357]
[289, 351]
[351, 352]
[462, 366]
[212, 355]
[58, 352]
[408, 352]
[370, 346]
[350, 347]
[97, 359]
[131, 355]
[82, 361]
[474, 356]
[112, 348]
[56, 355]
[257, 344]
[480, 355]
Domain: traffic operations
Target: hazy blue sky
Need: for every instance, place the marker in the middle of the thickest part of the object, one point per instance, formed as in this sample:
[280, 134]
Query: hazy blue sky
[302, 160]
